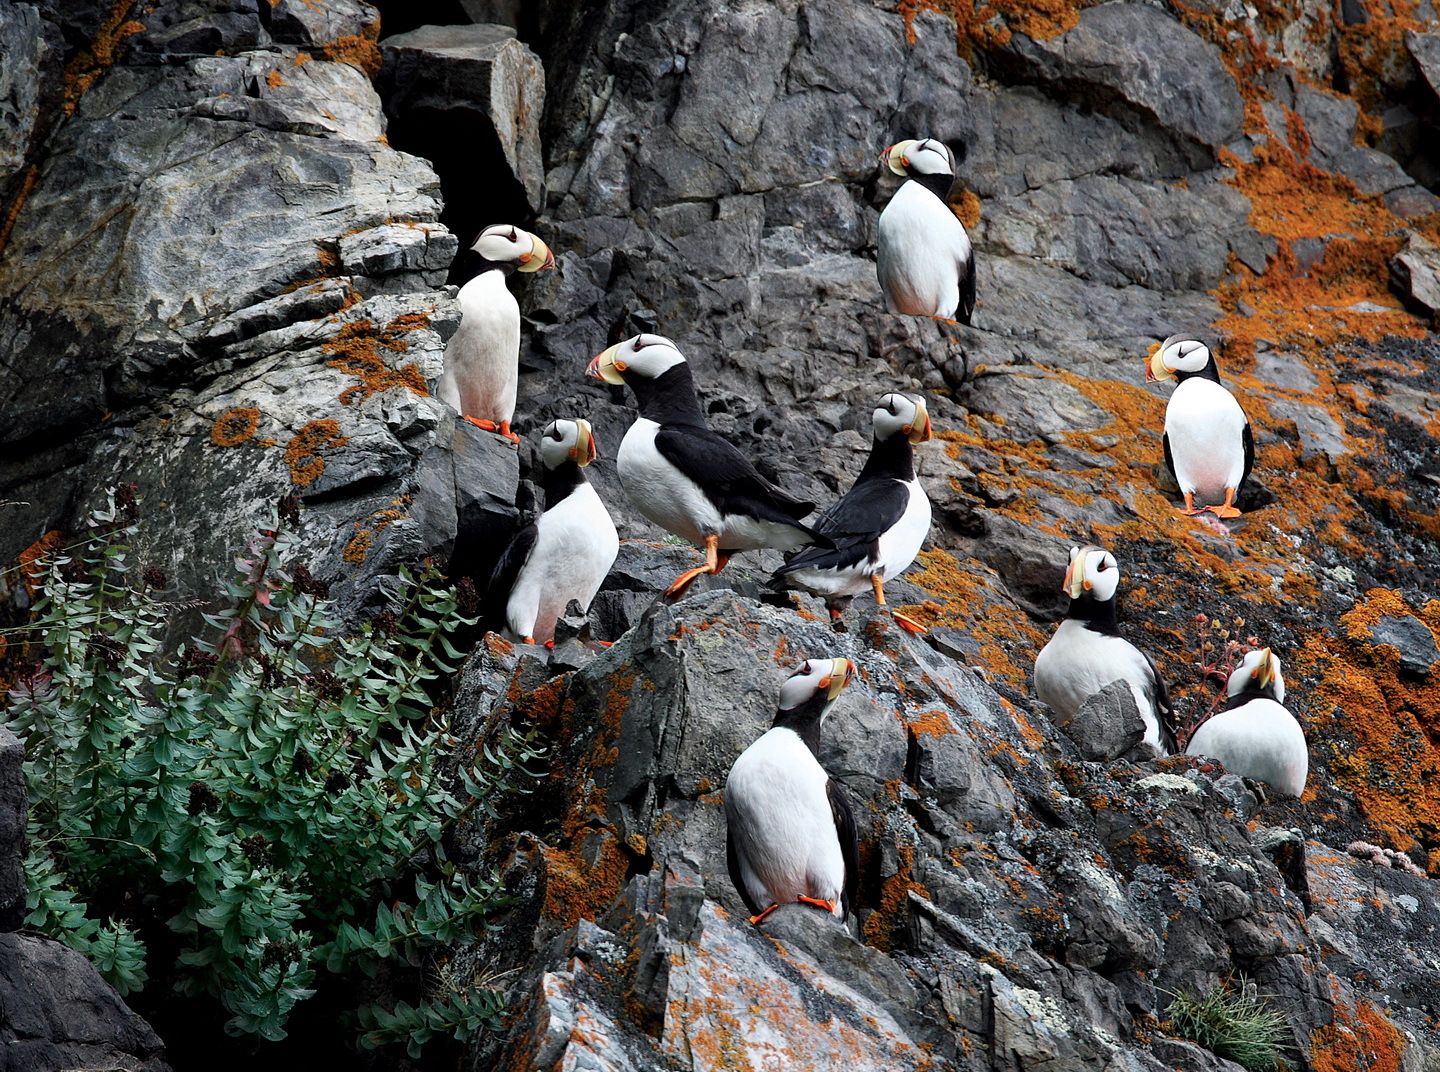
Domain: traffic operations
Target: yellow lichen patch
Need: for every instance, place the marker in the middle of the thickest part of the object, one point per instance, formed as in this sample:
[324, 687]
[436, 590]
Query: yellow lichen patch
[967, 209]
[934, 723]
[1373, 727]
[235, 426]
[302, 453]
[1365, 1041]
[274, 79]
[357, 349]
[358, 49]
[358, 546]
[581, 883]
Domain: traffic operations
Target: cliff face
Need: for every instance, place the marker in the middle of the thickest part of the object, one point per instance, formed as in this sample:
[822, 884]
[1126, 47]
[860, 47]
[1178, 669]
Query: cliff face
[222, 279]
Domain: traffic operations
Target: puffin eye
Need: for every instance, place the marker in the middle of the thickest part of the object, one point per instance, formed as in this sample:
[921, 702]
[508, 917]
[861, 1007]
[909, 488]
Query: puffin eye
[1102, 567]
[513, 236]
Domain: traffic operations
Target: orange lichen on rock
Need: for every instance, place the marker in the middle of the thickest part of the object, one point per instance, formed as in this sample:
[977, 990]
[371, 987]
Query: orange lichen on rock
[35, 559]
[235, 426]
[580, 883]
[893, 901]
[358, 546]
[967, 209]
[274, 79]
[1363, 1042]
[935, 723]
[358, 49]
[986, 24]
[89, 63]
[302, 453]
[357, 349]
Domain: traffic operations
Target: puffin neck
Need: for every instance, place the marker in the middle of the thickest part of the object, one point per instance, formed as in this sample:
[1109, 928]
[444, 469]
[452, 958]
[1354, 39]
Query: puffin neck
[670, 397]
[505, 268]
[804, 721]
[1098, 615]
[560, 482]
[1251, 691]
[939, 185]
[891, 457]
[1209, 372]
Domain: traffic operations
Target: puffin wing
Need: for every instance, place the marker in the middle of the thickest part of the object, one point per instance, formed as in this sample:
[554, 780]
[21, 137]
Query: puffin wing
[1169, 458]
[844, 818]
[725, 474]
[1164, 712]
[966, 309]
[1247, 438]
[855, 522]
[507, 572]
[737, 877]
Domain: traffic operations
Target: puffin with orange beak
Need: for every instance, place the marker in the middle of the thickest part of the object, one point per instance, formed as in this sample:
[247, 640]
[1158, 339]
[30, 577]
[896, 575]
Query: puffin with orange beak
[790, 831]
[1087, 652]
[566, 553]
[683, 476]
[878, 525]
[482, 371]
[1255, 736]
[1209, 447]
[923, 257]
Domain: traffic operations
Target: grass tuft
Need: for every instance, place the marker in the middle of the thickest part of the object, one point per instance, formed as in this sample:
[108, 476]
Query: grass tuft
[1238, 1026]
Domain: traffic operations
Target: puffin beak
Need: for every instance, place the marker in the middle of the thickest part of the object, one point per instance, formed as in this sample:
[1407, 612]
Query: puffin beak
[1075, 582]
[1156, 370]
[604, 367]
[584, 452]
[841, 671]
[894, 157]
[539, 256]
[1264, 673]
[919, 430]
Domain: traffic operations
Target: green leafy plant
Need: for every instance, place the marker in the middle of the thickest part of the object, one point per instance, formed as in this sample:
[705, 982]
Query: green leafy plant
[272, 802]
[1239, 1026]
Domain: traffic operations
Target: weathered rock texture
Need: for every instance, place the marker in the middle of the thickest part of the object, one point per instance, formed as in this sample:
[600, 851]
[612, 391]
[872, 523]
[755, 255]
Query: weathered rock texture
[13, 803]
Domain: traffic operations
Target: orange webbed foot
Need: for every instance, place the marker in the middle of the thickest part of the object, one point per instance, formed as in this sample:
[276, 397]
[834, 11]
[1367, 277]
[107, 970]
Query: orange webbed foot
[908, 624]
[1224, 511]
[762, 915]
[550, 644]
[527, 640]
[1191, 510]
[682, 583]
[829, 906]
[501, 429]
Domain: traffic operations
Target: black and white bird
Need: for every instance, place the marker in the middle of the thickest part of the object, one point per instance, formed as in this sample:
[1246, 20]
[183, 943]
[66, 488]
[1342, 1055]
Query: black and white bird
[566, 553]
[790, 833]
[683, 476]
[878, 525]
[1255, 736]
[1209, 447]
[482, 370]
[1087, 652]
[924, 258]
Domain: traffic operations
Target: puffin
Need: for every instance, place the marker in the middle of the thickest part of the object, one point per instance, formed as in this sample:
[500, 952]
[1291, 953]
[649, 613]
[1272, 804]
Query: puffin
[566, 552]
[1087, 651]
[924, 258]
[879, 525]
[1255, 736]
[683, 476]
[789, 829]
[1209, 447]
[482, 358]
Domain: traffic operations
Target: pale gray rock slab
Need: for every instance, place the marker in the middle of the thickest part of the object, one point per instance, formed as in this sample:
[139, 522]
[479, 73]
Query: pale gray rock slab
[1318, 432]
[1424, 49]
[1415, 273]
[1107, 725]
[306, 25]
[22, 43]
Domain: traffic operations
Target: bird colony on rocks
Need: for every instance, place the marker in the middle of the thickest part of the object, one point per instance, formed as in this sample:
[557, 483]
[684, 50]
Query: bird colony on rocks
[778, 828]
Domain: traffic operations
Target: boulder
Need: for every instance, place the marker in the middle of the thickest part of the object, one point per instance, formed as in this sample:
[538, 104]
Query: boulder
[1108, 724]
[1424, 49]
[1412, 638]
[22, 43]
[1415, 273]
[14, 813]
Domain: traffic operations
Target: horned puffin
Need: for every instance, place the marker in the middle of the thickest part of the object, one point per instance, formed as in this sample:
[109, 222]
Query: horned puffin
[481, 360]
[566, 553]
[789, 830]
[924, 258]
[878, 525]
[1255, 736]
[1209, 447]
[1087, 651]
[683, 476]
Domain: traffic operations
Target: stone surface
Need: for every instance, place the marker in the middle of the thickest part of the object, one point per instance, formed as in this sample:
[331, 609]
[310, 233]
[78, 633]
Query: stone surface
[1108, 724]
[22, 43]
[14, 813]
[1415, 273]
[57, 1013]
[1424, 49]
[1412, 638]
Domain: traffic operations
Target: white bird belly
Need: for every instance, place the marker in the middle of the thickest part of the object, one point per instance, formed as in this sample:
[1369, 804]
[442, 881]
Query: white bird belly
[921, 251]
[1078, 662]
[575, 546]
[482, 371]
[1259, 740]
[781, 825]
[1205, 427]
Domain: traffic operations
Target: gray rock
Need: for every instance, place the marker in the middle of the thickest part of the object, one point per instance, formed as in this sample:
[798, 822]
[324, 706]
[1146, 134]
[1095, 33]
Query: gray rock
[1412, 638]
[1424, 49]
[22, 43]
[479, 82]
[1415, 273]
[1138, 54]
[14, 813]
[58, 1013]
[1320, 435]
[294, 22]
[1107, 725]
[1287, 370]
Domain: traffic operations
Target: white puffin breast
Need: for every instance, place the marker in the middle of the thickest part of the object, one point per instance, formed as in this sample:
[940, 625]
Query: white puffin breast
[1078, 662]
[575, 546]
[660, 491]
[780, 823]
[482, 358]
[899, 545]
[920, 250]
[1205, 426]
[1259, 740]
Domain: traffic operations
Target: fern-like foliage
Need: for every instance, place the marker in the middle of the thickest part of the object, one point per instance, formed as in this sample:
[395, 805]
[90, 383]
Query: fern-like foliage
[273, 796]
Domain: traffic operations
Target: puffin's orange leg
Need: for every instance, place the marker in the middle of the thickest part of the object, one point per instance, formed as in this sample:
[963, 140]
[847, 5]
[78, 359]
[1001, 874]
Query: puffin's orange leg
[713, 564]
[1229, 509]
[1190, 507]
[829, 906]
[877, 583]
[762, 915]
[501, 429]
[910, 625]
[836, 614]
[528, 640]
[550, 644]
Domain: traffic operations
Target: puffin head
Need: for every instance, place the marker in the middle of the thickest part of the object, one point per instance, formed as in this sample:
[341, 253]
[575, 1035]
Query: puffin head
[567, 441]
[816, 681]
[504, 244]
[1259, 672]
[904, 415]
[1177, 354]
[646, 357]
[919, 156]
[1093, 571]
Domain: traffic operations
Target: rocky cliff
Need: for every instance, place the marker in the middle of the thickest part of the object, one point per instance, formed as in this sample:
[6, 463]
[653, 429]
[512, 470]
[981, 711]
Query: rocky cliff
[225, 244]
